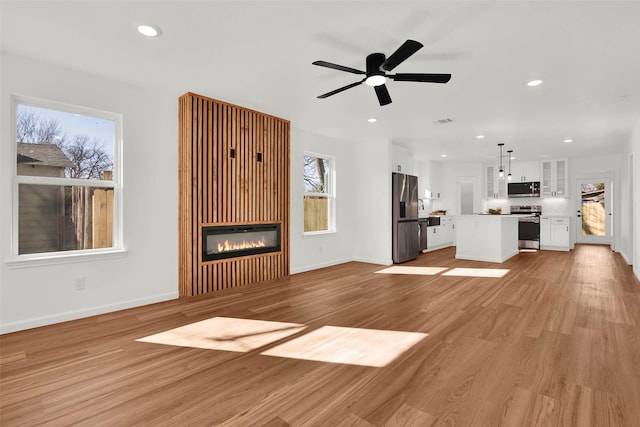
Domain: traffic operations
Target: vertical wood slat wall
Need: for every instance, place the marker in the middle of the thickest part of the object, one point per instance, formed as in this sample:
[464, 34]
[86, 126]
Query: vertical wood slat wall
[216, 189]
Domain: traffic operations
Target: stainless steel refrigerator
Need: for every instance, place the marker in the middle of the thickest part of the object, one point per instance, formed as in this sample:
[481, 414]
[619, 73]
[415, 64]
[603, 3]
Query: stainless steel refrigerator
[404, 217]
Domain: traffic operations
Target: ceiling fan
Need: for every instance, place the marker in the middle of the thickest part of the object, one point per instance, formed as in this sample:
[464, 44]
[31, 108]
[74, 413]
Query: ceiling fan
[377, 67]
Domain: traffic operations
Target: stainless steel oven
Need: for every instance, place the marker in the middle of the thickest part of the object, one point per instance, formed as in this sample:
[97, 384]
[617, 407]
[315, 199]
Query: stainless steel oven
[528, 226]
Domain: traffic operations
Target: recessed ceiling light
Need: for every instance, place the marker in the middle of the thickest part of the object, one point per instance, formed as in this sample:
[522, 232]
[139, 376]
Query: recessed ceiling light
[149, 30]
[372, 120]
[480, 136]
[443, 155]
[534, 83]
[568, 140]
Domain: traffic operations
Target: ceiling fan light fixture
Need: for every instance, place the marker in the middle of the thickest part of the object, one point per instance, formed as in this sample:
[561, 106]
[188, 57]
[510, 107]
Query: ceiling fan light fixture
[375, 80]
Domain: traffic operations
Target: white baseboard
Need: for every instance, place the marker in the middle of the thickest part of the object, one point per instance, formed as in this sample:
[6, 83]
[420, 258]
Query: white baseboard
[79, 314]
[304, 268]
[375, 261]
[486, 259]
[625, 257]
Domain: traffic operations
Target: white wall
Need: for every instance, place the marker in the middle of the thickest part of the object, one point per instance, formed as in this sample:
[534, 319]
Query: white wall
[624, 217]
[453, 172]
[314, 251]
[373, 202]
[634, 148]
[39, 295]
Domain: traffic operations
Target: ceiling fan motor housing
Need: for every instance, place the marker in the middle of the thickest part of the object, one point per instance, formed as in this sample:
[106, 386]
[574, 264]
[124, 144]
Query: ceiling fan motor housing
[374, 62]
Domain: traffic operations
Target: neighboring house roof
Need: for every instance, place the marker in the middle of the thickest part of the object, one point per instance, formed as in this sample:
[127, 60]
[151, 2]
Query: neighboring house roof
[43, 155]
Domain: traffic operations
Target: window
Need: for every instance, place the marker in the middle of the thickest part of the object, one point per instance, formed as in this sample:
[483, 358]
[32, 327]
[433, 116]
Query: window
[318, 193]
[67, 179]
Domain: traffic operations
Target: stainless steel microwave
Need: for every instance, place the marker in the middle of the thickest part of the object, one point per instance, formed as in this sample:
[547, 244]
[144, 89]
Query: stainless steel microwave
[523, 189]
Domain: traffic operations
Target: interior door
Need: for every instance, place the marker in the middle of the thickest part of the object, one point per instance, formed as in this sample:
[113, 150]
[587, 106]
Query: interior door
[467, 195]
[594, 211]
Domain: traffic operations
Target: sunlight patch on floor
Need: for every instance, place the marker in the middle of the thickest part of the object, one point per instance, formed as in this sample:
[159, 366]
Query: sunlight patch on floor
[226, 333]
[477, 272]
[332, 344]
[421, 271]
[353, 346]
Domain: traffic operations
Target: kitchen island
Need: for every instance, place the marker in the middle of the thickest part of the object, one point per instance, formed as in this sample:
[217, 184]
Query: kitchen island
[491, 238]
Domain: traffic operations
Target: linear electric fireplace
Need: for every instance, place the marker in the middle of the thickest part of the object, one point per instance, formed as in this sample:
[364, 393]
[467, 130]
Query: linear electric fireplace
[230, 241]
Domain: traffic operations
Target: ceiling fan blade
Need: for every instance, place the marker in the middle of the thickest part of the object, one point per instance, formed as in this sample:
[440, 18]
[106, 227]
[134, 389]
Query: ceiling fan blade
[333, 92]
[383, 95]
[337, 67]
[407, 49]
[427, 78]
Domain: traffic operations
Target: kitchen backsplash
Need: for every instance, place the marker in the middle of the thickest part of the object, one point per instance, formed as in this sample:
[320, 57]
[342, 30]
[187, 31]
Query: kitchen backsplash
[550, 206]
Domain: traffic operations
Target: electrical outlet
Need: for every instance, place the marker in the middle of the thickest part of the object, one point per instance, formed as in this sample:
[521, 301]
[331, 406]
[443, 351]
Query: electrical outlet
[80, 284]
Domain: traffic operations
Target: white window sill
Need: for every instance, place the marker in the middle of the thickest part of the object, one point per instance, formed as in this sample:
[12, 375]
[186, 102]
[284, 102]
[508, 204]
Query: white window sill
[38, 260]
[318, 233]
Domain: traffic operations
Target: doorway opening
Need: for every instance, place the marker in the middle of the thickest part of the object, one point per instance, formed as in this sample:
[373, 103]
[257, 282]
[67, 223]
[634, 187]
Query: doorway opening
[594, 211]
[466, 195]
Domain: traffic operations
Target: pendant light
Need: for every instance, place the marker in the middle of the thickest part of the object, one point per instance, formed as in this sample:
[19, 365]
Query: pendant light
[501, 170]
[509, 154]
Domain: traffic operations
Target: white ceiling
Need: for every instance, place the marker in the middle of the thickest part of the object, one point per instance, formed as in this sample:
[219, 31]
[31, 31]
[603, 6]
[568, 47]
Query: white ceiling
[258, 54]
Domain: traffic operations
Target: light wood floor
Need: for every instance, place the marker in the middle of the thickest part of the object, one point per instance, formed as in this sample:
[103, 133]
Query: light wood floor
[553, 342]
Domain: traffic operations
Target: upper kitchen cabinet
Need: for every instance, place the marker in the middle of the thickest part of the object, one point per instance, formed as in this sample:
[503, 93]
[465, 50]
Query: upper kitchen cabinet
[495, 187]
[435, 179]
[555, 178]
[402, 160]
[525, 171]
[431, 182]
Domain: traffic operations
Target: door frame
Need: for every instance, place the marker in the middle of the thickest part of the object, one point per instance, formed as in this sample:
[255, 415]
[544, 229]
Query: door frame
[608, 238]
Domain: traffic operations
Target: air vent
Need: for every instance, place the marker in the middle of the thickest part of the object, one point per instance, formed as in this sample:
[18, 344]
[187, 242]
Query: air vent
[443, 121]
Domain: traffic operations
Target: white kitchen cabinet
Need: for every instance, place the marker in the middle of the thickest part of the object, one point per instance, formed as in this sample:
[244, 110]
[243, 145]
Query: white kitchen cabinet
[441, 236]
[554, 178]
[495, 187]
[435, 237]
[435, 179]
[554, 233]
[545, 232]
[525, 171]
[430, 181]
[449, 229]
[402, 160]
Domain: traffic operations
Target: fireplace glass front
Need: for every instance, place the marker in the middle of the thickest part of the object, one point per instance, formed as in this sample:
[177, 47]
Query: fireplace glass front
[230, 241]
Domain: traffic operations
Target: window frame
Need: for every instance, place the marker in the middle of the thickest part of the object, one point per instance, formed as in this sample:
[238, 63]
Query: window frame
[330, 194]
[55, 257]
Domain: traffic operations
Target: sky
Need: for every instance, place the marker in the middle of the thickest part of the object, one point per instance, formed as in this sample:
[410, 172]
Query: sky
[76, 124]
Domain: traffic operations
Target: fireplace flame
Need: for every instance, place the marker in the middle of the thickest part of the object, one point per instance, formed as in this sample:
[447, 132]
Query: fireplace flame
[227, 246]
